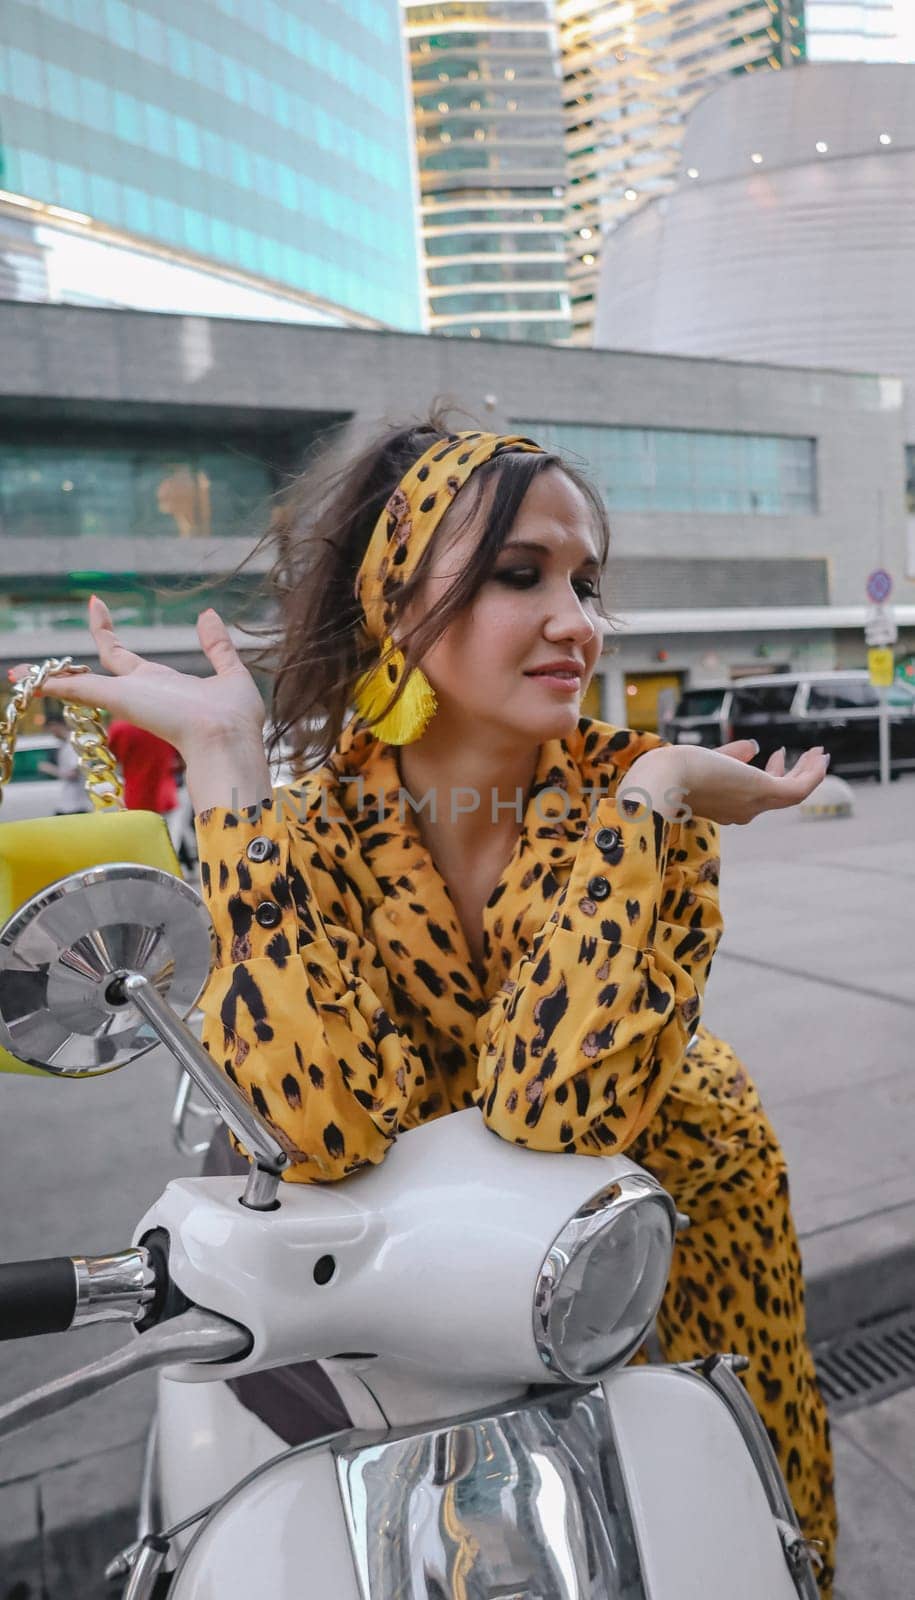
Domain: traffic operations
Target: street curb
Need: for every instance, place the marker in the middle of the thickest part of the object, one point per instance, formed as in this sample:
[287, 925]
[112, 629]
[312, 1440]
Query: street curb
[859, 1270]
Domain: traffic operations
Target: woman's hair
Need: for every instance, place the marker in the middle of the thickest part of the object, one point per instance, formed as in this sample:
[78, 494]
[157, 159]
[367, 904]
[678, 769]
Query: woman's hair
[321, 531]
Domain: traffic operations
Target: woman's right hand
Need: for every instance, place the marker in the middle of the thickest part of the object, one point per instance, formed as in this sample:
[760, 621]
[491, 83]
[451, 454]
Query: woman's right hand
[207, 719]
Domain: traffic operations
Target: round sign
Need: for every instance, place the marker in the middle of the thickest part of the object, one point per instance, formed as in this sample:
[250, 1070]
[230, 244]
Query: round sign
[879, 586]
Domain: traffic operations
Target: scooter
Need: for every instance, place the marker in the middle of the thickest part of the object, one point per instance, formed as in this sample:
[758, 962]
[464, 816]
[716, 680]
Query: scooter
[474, 1304]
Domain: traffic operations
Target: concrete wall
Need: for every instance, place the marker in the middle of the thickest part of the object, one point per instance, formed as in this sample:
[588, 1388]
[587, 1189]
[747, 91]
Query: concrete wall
[77, 363]
[71, 365]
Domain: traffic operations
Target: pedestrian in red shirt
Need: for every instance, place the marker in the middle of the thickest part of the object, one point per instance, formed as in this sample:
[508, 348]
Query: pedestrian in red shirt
[148, 765]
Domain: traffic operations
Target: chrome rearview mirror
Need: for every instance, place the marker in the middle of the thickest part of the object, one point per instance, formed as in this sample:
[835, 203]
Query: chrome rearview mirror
[101, 967]
[62, 952]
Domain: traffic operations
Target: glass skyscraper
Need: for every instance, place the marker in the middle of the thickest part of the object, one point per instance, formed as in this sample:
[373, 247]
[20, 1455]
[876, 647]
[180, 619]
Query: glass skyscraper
[271, 138]
[487, 91]
[860, 30]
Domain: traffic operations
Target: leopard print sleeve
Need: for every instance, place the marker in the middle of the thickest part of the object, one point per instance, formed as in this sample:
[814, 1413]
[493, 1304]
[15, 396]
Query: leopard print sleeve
[297, 1009]
[587, 1036]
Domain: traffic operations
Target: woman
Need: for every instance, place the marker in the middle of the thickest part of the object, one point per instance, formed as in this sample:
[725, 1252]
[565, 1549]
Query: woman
[479, 899]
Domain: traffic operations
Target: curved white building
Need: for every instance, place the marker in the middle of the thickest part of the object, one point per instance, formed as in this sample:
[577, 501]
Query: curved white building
[791, 235]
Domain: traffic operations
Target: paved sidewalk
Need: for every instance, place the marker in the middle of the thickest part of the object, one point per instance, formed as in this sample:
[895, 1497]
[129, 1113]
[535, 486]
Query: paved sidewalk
[875, 1476]
[815, 988]
[814, 985]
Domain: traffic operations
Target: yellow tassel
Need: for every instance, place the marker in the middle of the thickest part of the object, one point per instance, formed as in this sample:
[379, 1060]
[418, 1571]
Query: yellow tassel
[410, 717]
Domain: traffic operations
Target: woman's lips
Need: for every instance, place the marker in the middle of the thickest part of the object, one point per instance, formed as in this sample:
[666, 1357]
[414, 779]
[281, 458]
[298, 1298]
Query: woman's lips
[567, 679]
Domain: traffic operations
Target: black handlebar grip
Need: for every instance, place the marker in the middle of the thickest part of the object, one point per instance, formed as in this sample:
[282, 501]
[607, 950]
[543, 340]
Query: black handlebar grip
[37, 1297]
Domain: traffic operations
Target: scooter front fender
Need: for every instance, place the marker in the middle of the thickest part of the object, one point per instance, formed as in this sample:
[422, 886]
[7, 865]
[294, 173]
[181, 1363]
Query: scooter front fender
[642, 1488]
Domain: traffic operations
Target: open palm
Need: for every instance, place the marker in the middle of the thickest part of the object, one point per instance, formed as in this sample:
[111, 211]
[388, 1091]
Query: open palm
[178, 706]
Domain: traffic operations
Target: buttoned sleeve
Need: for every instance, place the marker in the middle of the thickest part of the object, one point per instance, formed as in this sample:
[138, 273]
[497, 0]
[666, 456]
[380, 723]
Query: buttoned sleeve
[297, 1008]
[587, 1035]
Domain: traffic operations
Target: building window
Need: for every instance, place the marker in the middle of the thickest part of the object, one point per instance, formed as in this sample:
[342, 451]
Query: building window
[28, 603]
[665, 469]
[910, 479]
[121, 491]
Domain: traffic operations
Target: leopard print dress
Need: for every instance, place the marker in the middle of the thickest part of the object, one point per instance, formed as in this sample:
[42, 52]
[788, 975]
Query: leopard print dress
[345, 1004]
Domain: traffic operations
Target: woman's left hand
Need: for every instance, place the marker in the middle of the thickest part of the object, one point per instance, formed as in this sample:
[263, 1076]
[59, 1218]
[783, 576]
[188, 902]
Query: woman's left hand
[721, 785]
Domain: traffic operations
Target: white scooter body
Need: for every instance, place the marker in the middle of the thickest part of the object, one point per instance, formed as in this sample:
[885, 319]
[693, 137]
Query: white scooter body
[653, 1466]
[473, 1302]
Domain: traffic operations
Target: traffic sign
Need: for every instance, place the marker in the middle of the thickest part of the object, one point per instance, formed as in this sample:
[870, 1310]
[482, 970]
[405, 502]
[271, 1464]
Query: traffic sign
[880, 625]
[881, 666]
[879, 586]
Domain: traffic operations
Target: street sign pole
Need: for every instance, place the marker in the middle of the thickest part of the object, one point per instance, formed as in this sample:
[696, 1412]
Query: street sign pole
[881, 633]
[884, 736]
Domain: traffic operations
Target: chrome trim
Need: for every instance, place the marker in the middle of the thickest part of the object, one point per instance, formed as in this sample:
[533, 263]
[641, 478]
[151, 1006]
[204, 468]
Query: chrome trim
[261, 1188]
[528, 1500]
[632, 1189]
[121, 1564]
[801, 1555]
[195, 1336]
[145, 1570]
[148, 1504]
[249, 1128]
[114, 1288]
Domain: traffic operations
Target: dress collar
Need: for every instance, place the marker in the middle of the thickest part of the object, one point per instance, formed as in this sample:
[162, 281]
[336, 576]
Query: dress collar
[376, 839]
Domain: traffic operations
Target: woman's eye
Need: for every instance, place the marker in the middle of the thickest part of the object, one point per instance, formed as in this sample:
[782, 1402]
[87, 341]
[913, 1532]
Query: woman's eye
[587, 588]
[527, 577]
[518, 577]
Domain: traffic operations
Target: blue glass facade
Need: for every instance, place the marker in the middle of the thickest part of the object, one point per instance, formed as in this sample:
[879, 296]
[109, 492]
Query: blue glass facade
[273, 138]
[670, 469]
[188, 489]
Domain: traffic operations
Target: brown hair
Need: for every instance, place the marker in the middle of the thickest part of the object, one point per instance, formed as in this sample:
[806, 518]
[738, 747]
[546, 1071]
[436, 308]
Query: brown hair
[321, 532]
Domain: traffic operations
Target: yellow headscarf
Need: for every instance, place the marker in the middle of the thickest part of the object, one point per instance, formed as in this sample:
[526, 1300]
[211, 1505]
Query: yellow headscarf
[400, 538]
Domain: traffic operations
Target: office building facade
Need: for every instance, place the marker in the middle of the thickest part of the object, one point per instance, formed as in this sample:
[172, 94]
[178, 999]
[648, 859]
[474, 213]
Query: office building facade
[272, 141]
[488, 115]
[746, 501]
[860, 30]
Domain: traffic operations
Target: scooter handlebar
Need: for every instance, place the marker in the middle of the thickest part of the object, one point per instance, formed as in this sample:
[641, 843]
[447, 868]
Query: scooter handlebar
[37, 1296]
[64, 1292]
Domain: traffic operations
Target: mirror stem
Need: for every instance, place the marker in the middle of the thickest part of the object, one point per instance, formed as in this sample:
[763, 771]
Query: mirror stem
[251, 1130]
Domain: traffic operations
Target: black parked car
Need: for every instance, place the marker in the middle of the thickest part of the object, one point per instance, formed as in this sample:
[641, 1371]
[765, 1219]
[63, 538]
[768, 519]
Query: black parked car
[797, 710]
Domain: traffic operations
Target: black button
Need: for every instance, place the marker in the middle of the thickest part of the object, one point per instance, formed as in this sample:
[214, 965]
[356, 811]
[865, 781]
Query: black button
[598, 889]
[607, 840]
[260, 848]
[268, 914]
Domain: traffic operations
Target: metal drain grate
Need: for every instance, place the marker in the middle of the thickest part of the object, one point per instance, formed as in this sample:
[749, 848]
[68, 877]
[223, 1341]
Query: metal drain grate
[868, 1364]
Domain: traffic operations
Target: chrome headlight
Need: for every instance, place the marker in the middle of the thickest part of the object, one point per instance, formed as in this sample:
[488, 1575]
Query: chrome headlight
[603, 1278]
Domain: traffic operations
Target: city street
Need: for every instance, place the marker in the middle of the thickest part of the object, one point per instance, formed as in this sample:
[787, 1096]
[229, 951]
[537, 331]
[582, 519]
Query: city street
[479, 363]
[814, 986]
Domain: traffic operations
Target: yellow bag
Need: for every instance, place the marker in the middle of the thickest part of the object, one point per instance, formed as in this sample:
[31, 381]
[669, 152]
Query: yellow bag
[35, 854]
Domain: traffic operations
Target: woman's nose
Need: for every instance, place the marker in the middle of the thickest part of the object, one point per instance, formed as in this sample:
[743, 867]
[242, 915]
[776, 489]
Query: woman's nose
[570, 620]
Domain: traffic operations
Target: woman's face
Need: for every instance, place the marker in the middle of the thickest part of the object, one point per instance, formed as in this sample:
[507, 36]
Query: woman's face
[519, 659]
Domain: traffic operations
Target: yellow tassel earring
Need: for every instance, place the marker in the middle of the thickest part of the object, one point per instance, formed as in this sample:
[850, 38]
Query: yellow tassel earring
[406, 721]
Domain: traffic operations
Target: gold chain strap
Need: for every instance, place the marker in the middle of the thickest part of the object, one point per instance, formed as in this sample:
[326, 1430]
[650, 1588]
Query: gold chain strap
[87, 735]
